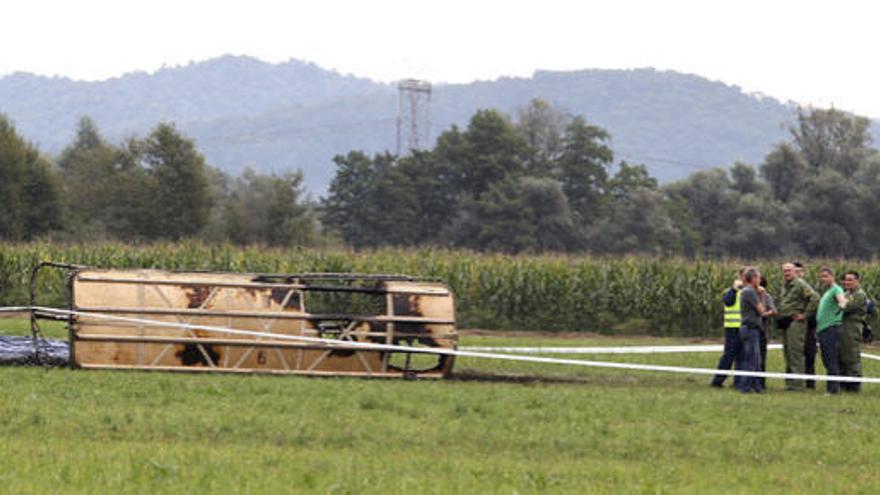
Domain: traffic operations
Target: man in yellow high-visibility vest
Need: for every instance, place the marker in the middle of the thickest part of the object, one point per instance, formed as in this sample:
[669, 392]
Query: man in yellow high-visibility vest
[732, 322]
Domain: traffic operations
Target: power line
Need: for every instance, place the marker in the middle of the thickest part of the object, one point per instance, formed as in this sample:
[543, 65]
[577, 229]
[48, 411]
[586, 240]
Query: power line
[412, 135]
[688, 165]
[282, 130]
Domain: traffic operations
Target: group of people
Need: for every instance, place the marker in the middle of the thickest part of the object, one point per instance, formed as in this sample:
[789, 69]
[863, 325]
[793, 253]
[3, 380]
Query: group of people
[835, 318]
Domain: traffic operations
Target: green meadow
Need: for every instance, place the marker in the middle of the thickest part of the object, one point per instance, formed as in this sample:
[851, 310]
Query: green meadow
[495, 427]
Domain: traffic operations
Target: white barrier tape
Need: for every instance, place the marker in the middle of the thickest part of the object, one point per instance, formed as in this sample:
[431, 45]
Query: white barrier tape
[15, 309]
[635, 349]
[450, 352]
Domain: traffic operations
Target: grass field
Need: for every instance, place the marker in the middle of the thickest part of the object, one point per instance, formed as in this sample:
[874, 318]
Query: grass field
[496, 428]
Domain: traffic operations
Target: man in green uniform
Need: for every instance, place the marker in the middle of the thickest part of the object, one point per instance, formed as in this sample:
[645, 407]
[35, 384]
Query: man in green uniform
[811, 344]
[829, 326]
[854, 314]
[797, 302]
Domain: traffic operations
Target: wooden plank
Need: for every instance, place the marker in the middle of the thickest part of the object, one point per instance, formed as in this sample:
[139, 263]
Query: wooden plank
[264, 314]
[211, 341]
[186, 369]
[262, 285]
[195, 283]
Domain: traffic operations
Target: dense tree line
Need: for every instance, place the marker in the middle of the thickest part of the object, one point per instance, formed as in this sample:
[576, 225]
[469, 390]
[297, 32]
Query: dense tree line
[29, 190]
[542, 180]
[545, 181]
[548, 181]
[150, 188]
[540, 183]
[814, 195]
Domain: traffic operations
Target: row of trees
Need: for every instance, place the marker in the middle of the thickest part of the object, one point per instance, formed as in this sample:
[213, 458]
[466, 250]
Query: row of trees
[548, 181]
[156, 187]
[815, 195]
[540, 183]
[29, 188]
[543, 180]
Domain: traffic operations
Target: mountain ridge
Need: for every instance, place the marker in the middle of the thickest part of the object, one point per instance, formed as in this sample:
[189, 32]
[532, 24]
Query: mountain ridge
[246, 112]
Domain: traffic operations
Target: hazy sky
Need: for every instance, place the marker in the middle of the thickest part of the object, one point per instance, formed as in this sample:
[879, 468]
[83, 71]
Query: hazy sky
[812, 52]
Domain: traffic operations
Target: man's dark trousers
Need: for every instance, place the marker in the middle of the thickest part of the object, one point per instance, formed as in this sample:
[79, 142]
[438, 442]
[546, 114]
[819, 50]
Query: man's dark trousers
[763, 364]
[810, 352]
[828, 340]
[731, 355]
[751, 341]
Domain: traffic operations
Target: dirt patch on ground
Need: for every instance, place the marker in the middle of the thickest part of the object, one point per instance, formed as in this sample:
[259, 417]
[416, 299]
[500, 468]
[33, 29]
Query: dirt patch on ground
[535, 379]
[517, 378]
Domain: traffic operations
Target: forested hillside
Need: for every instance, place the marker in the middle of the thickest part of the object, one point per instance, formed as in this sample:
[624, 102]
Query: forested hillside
[278, 117]
[535, 181]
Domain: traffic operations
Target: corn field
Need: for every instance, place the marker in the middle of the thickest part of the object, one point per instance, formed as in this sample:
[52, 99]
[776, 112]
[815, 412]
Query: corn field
[617, 295]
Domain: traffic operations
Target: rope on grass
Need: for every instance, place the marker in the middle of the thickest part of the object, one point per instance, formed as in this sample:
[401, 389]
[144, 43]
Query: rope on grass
[15, 309]
[635, 349]
[458, 353]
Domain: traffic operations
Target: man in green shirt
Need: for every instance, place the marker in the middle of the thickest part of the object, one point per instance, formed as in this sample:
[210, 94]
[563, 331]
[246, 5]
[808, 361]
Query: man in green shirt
[854, 314]
[829, 325]
[797, 303]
